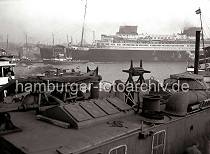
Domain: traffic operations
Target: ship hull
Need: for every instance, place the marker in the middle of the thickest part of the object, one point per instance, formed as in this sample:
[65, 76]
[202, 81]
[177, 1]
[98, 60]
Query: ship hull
[114, 55]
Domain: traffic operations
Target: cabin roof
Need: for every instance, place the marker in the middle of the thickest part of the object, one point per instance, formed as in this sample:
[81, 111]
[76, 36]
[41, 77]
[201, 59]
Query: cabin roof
[39, 137]
[43, 138]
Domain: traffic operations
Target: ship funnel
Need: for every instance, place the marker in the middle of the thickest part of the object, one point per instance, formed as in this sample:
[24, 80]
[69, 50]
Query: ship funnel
[197, 47]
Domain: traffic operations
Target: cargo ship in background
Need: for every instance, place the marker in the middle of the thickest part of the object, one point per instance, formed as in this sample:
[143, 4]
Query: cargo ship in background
[128, 44]
[58, 55]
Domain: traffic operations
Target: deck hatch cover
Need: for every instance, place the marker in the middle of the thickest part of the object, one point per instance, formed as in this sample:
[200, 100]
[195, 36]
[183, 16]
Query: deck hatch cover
[77, 112]
[106, 106]
[92, 109]
[119, 103]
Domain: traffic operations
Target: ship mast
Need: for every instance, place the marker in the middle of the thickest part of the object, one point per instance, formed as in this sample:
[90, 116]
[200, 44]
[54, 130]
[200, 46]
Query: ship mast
[53, 43]
[65, 52]
[26, 37]
[83, 26]
[93, 37]
[67, 39]
[202, 31]
[7, 42]
[53, 39]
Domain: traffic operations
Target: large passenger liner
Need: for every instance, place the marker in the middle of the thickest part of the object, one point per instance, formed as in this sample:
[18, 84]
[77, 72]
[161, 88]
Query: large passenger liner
[128, 44]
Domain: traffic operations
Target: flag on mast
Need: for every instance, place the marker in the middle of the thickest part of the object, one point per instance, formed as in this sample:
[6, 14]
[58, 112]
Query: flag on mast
[198, 11]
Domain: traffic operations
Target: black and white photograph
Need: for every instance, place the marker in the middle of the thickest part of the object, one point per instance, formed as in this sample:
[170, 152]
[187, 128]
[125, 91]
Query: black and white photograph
[104, 76]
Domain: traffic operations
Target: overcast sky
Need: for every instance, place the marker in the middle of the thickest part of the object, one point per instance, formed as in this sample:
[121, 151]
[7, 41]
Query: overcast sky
[40, 18]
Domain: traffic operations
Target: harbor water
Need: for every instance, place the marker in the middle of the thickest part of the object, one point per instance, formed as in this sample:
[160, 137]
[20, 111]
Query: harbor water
[113, 71]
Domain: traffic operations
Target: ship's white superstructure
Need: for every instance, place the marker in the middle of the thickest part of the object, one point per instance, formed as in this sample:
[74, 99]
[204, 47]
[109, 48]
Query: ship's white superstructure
[175, 42]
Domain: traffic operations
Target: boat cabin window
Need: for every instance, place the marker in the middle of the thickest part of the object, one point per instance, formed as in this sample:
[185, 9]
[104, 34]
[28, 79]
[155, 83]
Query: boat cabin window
[122, 149]
[6, 71]
[158, 142]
